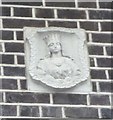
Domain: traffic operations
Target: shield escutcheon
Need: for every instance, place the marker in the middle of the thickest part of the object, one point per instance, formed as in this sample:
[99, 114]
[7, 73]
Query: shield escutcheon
[69, 70]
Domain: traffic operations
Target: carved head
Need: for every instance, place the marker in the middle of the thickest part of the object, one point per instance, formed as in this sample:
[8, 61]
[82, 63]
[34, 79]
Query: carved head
[53, 42]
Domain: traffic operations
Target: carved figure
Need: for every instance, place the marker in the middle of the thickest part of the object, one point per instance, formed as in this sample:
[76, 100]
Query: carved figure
[56, 66]
[56, 59]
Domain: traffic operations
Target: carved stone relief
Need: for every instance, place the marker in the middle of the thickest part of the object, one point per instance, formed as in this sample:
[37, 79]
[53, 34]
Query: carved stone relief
[56, 59]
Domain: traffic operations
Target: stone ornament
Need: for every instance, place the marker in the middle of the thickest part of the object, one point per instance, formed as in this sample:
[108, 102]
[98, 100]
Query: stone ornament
[56, 57]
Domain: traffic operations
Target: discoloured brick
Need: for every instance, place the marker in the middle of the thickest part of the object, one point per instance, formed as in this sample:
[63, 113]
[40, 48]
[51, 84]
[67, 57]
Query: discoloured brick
[107, 113]
[95, 50]
[63, 24]
[106, 26]
[21, 97]
[99, 100]
[5, 11]
[98, 74]
[8, 110]
[52, 112]
[94, 87]
[105, 5]
[32, 111]
[14, 71]
[101, 38]
[106, 86]
[93, 26]
[14, 47]
[7, 35]
[38, 3]
[15, 23]
[23, 12]
[23, 84]
[69, 99]
[8, 59]
[109, 50]
[20, 59]
[19, 35]
[44, 13]
[71, 14]
[100, 14]
[81, 113]
[60, 4]
[105, 62]
[87, 4]
[9, 84]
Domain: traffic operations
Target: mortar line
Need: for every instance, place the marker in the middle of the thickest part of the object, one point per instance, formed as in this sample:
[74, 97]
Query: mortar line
[63, 8]
[4, 97]
[111, 102]
[18, 110]
[87, 14]
[31, 91]
[10, 77]
[18, 84]
[100, 56]
[43, 3]
[57, 105]
[104, 49]
[88, 100]
[14, 36]
[90, 38]
[33, 13]
[3, 47]
[55, 14]
[78, 24]
[95, 62]
[40, 111]
[2, 71]
[101, 80]
[15, 61]
[51, 98]
[10, 53]
[107, 74]
[55, 19]
[12, 65]
[97, 4]
[1, 24]
[46, 24]
[76, 3]
[98, 86]
[12, 41]
[12, 11]
[100, 44]
[102, 68]
[99, 27]
[63, 112]
[99, 113]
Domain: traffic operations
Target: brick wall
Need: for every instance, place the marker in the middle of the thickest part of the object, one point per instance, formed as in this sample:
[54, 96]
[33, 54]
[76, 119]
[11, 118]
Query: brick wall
[15, 100]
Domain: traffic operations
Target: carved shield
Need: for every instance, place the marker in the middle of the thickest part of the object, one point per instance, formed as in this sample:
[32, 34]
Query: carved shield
[74, 46]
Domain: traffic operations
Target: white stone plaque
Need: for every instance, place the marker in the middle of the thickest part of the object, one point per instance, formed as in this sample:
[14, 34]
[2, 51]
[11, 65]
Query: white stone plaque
[56, 60]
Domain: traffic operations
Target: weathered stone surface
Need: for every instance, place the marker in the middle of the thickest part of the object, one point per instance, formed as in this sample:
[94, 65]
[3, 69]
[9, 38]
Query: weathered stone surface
[56, 58]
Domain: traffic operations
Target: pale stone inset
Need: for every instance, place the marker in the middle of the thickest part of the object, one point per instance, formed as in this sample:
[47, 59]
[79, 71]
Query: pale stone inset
[56, 59]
